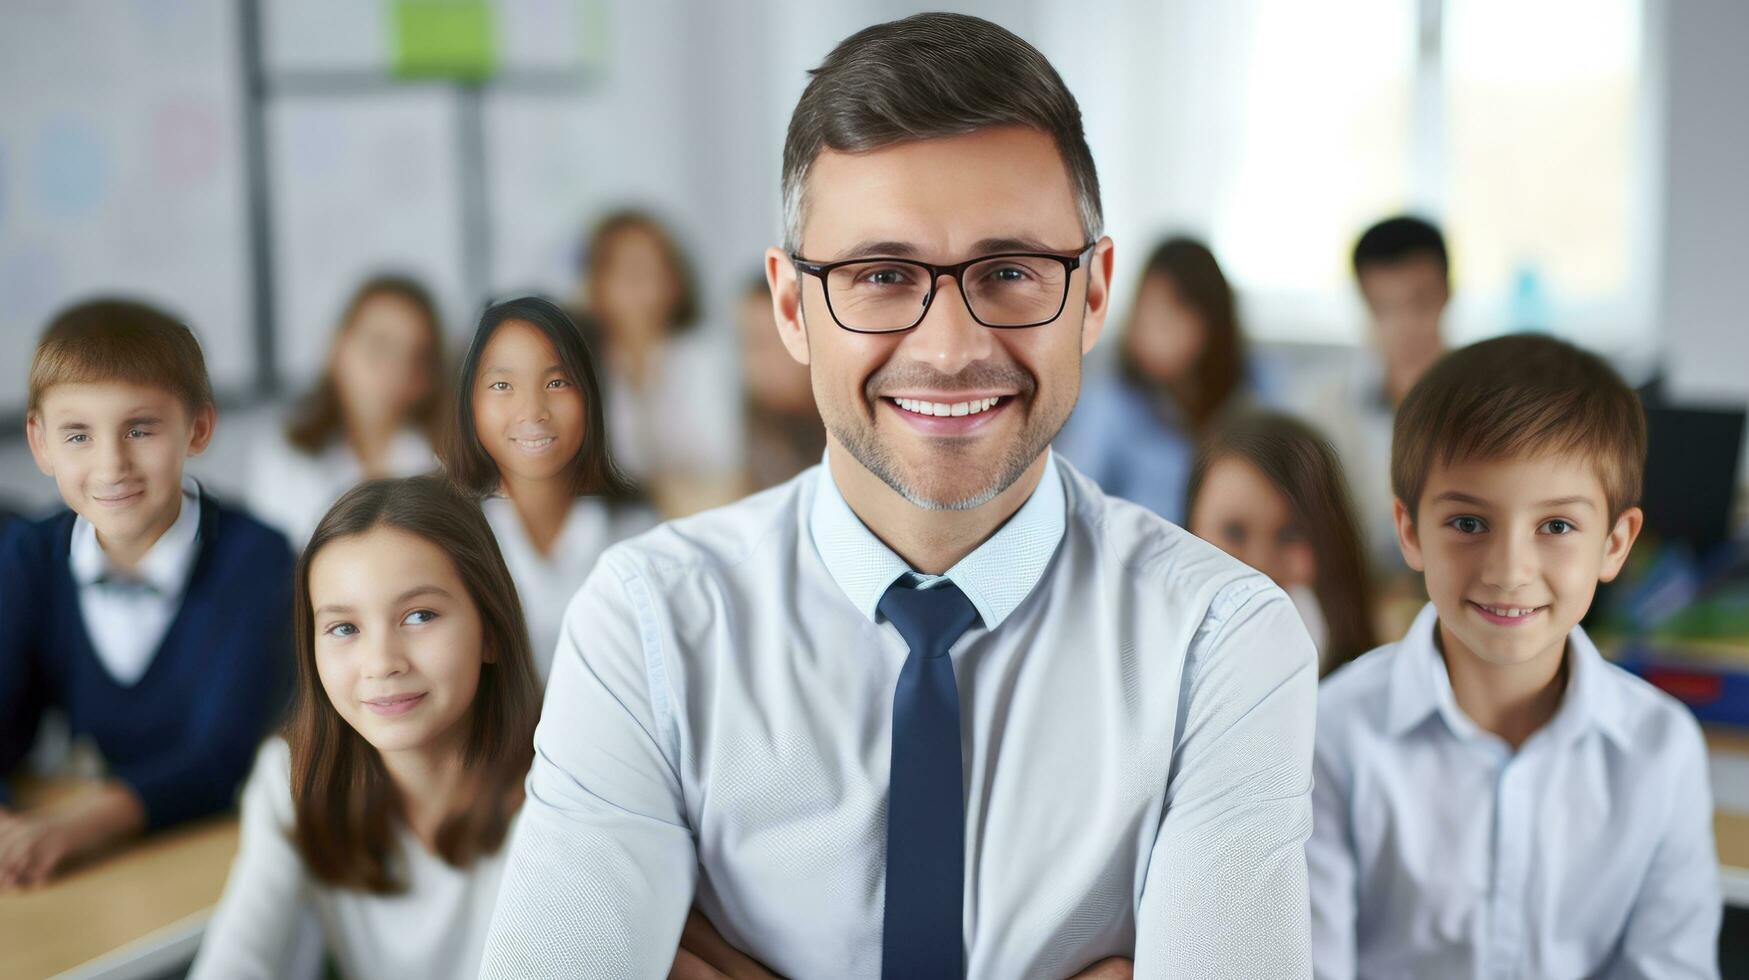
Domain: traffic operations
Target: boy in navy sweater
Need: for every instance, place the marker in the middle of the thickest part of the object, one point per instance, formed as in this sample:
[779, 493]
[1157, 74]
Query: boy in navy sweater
[156, 619]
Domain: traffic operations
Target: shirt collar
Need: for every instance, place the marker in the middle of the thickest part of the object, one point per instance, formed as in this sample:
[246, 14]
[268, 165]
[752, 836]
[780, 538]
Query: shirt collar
[997, 576]
[165, 566]
[1420, 687]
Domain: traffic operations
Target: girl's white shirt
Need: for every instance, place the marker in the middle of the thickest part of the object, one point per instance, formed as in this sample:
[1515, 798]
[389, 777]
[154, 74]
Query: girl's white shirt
[436, 928]
[546, 583]
[685, 419]
[291, 489]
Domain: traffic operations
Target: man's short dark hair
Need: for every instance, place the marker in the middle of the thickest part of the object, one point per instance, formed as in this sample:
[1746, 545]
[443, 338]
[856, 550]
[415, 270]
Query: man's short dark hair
[926, 77]
[1396, 239]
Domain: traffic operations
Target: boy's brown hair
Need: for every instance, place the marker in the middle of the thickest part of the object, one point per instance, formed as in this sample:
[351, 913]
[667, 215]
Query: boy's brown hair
[1516, 396]
[120, 340]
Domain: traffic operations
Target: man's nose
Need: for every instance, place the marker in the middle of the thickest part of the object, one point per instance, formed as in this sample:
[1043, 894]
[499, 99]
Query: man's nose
[948, 338]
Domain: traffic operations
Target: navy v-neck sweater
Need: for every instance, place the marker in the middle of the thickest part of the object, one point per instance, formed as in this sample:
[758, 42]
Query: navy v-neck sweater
[183, 736]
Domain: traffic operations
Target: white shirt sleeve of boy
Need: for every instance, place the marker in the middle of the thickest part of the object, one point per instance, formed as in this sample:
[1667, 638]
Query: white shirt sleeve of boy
[1673, 931]
[1330, 865]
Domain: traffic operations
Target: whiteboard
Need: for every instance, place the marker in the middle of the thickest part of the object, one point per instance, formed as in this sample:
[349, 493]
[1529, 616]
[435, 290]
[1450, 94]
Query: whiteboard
[121, 171]
[361, 184]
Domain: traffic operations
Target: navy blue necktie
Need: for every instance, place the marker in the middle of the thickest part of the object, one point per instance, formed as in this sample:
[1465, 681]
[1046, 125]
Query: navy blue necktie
[921, 938]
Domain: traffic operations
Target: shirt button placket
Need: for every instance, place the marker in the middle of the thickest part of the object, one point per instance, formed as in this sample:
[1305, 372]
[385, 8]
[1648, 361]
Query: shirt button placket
[1512, 827]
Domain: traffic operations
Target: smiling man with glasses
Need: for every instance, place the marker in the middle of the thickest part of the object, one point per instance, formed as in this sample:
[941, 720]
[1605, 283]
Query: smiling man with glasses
[937, 707]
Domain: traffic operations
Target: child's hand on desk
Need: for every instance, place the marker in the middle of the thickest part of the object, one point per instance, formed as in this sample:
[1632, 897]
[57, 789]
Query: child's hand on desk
[31, 847]
[36, 843]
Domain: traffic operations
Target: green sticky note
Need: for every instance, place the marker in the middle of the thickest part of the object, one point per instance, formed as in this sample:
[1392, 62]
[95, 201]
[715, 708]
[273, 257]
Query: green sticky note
[441, 39]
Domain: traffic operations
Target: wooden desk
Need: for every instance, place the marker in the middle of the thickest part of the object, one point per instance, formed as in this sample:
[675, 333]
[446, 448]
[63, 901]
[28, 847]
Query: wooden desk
[1730, 819]
[157, 890]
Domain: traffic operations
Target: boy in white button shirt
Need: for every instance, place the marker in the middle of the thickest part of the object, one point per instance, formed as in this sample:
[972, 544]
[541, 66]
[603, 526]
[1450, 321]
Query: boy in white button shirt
[1493, 798]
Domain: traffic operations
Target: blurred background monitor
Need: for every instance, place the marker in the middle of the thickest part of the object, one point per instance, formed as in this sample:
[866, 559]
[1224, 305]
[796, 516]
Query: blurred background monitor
[1691, 471]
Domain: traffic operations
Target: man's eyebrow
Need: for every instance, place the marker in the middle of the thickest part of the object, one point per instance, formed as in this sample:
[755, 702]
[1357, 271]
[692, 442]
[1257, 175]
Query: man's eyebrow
[906, 250]
[990, 246]
[866, 249]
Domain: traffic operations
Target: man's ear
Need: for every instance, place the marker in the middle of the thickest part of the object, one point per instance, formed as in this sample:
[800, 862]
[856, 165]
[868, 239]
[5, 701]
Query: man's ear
[1620, 542]
[1408, 536]
[1098, 294]
[200, 433]
[786, 303]
[39, 444]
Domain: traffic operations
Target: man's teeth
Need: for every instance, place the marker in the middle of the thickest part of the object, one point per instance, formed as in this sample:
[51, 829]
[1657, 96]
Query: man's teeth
[1509, 613]
[945, 408]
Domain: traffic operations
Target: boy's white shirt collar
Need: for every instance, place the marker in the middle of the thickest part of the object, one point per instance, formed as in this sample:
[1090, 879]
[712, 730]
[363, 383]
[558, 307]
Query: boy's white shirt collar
[164, 567]
[997, 576]
[1420, 686]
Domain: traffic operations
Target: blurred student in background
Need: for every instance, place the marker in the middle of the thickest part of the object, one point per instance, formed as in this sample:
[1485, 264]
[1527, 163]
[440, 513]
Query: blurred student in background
[1181, 363]
[1491, 796]
[375, 412]
[1268, 490]
[780, 424]
[670, 404]
[530, 438]
[155, 618]
[387, 805]
[1404, 277]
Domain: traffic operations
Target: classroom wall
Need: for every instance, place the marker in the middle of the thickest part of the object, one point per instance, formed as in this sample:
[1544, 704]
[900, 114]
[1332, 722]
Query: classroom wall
[1704, 303]
[689, 111]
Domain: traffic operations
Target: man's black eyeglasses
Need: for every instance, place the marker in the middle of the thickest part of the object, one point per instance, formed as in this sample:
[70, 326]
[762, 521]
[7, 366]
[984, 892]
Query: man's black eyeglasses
[1006, 291]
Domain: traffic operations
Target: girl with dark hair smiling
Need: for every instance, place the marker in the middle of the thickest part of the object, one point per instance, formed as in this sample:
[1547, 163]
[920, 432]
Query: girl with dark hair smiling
[387, 806]
[530, 439]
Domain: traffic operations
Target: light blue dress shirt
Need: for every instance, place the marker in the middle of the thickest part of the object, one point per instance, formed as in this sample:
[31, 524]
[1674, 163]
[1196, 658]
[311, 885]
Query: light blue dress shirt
[1136, 708]
[1437, 851]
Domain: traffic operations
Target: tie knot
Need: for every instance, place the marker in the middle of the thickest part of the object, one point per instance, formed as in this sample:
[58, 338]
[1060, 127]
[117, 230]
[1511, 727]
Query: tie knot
[929, 619]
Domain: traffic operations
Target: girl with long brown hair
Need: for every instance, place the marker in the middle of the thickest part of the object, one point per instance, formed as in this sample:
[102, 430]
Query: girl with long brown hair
[1269, 491]
[376, 411]
[387, 805]
[1180, 367]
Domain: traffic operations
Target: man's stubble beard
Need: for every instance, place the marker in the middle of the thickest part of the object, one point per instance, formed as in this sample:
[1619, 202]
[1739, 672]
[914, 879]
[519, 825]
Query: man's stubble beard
[857, 434]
